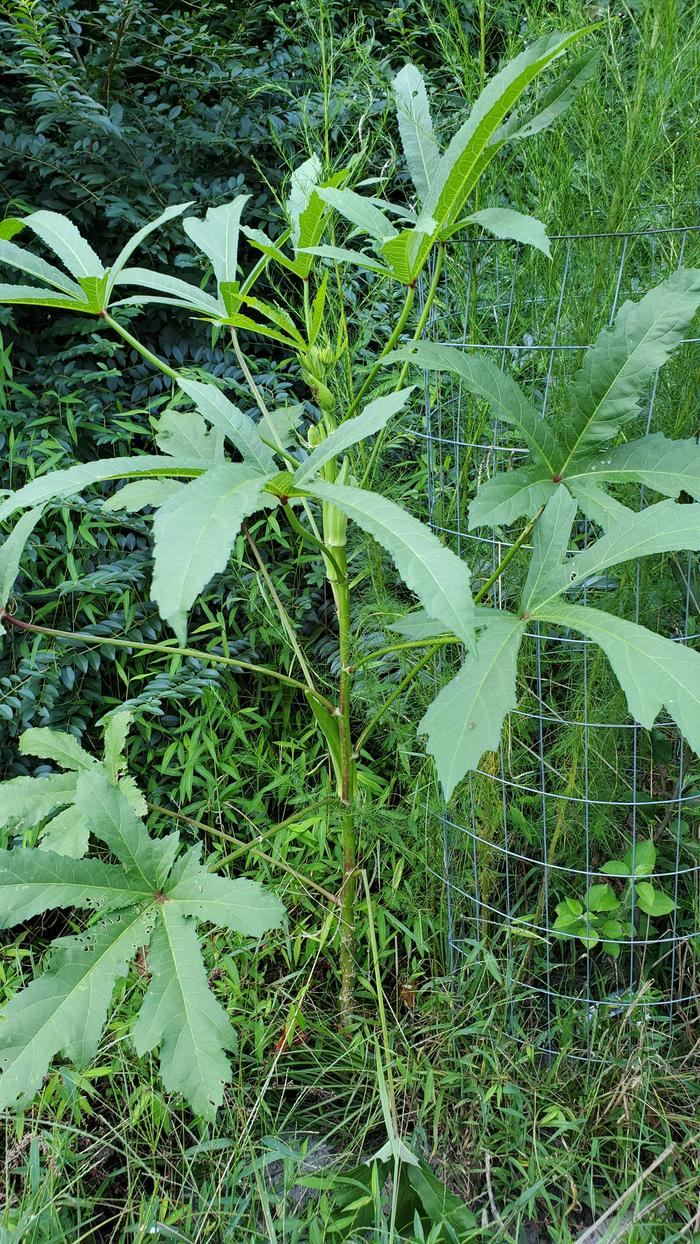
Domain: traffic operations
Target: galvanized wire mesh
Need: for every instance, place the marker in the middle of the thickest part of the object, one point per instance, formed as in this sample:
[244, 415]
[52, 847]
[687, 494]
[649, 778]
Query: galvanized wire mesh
[575, 781]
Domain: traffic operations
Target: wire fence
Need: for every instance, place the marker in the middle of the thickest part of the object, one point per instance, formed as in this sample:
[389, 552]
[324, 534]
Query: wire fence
[575, 782]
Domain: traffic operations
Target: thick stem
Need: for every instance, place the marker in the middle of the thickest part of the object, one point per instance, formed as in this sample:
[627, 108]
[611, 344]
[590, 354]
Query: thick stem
[142, 350]
[348, 786]
[307, 308]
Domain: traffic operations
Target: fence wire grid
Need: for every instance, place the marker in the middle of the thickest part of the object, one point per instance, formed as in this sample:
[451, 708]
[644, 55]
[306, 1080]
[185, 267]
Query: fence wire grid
[575, 781]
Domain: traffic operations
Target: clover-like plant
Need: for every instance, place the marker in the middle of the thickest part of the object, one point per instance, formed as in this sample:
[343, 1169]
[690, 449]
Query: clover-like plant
[150, 901]
[606, 917]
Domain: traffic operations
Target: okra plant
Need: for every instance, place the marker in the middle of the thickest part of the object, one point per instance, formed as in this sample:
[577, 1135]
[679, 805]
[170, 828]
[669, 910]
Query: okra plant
[218, 466]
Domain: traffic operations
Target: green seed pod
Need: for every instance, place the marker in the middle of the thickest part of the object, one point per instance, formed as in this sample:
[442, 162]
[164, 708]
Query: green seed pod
[314, 369]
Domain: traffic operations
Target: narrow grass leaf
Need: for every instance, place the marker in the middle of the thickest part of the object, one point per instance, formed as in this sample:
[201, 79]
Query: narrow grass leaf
[66, 241]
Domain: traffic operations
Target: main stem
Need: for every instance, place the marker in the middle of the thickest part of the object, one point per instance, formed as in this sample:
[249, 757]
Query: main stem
[348, 790]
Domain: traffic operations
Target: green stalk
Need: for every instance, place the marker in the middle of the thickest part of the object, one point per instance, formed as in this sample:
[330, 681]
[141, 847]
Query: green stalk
[505, 560]
[142, 350]
[430, 298]
[398, 329]
[307, 308]
[439, 642]
[170, 650]
[311, 539]
[432, 644]
[348, 790]
[244, 847]
[390, 700]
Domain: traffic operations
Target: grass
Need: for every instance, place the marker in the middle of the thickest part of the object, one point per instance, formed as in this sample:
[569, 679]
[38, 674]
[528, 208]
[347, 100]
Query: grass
[537, 1144]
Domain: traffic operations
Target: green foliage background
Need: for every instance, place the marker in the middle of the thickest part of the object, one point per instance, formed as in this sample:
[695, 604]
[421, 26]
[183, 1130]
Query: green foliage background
[110, 111]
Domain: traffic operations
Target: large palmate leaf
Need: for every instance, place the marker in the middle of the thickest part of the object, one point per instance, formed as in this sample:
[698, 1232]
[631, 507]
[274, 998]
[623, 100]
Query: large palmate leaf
[25, 261]
[72, 480]
[418, 626]
[462, 163]
[217, 236]
[371, 419]
[112, 819]
[135, 497]
[66, 1008]
[116, 732]
[359, 211]
[303, 183]
[33, 296]
[510, 495]
[67, 242]
[420, 146]
[28, 801]
[261, 242]
[606, 391]
[67, 833]
[438, 577]
[181, 1015]
[56, 745]
[552, 102]
[240, 905]
[166, 288]
[134, 242]
[466, 718]
[502, 222]
[654, 672]
[11, 551]
[184, 434]
[597, 504]
[484, 379]
[408, 251]
[342, 254]
[550, 542]
[194, 532]
[661, 528]
[667, 466]
[238, 428]
[307, 212]
[32, 882]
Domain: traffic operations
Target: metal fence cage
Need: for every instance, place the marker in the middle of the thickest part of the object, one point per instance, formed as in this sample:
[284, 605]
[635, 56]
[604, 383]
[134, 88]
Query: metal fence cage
[575, 781]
